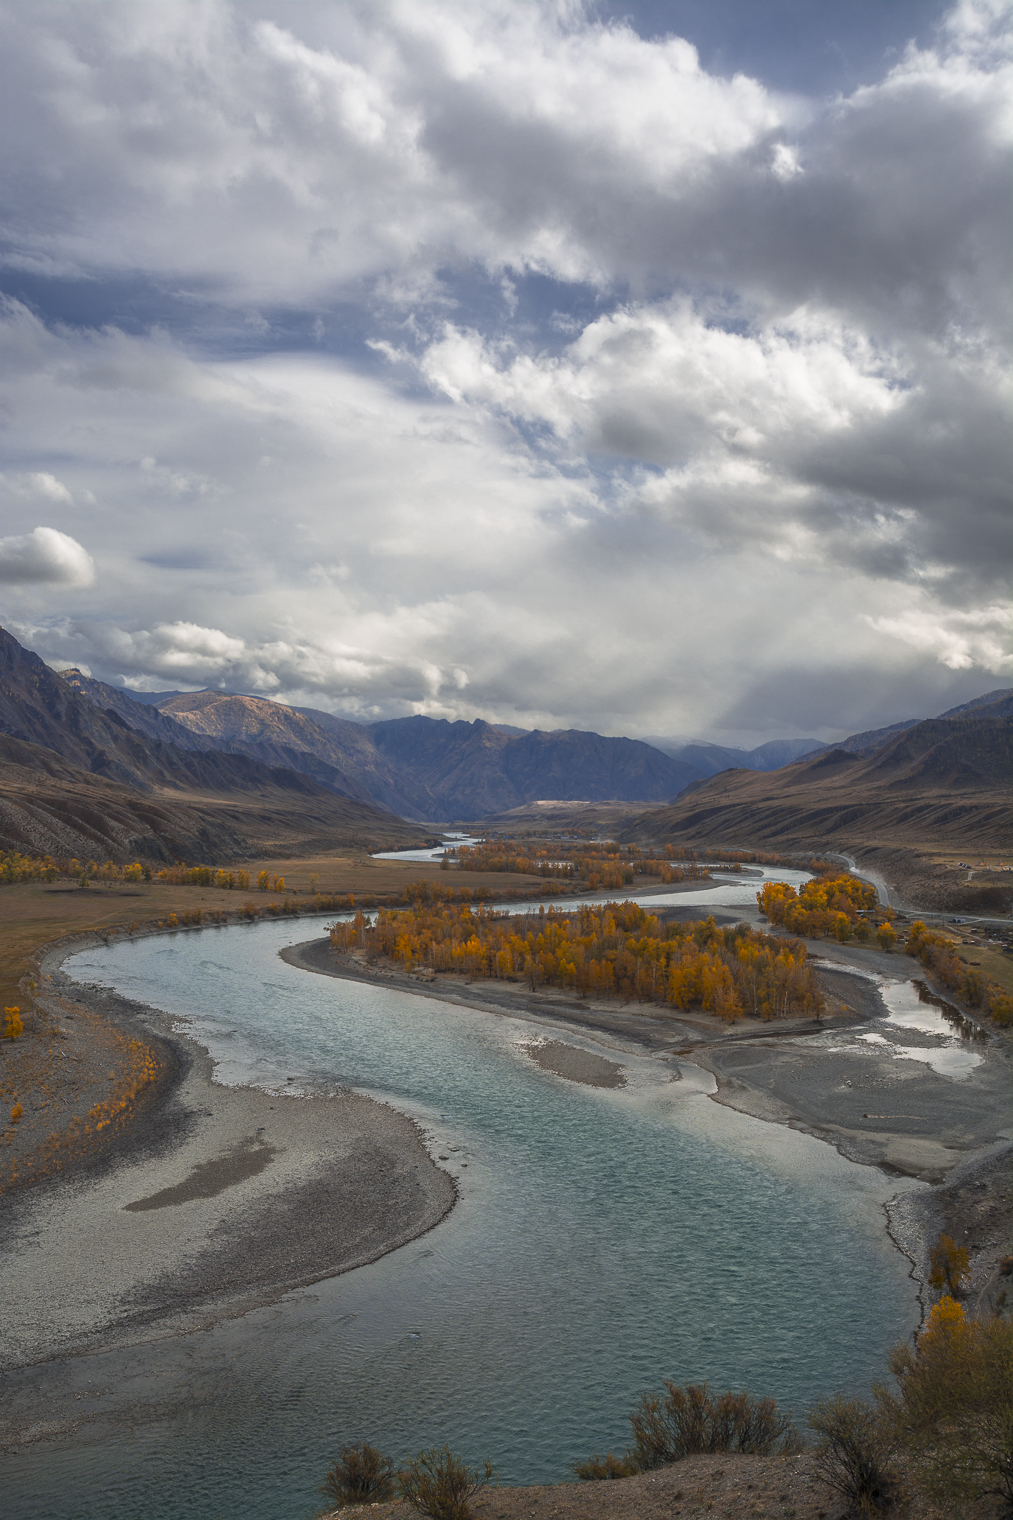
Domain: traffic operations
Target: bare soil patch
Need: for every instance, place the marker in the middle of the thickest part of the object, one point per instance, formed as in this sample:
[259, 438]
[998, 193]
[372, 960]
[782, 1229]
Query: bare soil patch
[739, 1487]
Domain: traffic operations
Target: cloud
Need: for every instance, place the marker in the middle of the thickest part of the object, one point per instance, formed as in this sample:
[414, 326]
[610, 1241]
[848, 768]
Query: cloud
[213, 145]
[38, 485]
[960, 640]
[800, 438]
[533, 372]
[48, 486]
[45, 556]
[211, 141]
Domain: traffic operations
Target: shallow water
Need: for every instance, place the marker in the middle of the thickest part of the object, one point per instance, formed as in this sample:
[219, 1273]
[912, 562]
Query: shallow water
[433, 852]
[951, 1054]
[604, 1240]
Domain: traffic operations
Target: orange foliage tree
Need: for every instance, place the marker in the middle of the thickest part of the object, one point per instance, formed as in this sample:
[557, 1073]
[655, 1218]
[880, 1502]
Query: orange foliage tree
[826, 905]
[937, 953]
[602, 950]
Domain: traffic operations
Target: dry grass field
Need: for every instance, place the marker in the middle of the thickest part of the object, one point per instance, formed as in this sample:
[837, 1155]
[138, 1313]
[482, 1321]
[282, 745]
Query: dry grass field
[33, 914]
[71, 1066]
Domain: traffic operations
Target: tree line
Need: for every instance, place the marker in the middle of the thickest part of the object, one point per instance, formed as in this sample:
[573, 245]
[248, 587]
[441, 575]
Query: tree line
[967, 982]
[601, 866]
[834, 906]
[609, 950]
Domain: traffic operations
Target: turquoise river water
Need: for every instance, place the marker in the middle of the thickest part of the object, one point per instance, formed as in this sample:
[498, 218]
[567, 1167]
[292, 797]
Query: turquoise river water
[604, 1240]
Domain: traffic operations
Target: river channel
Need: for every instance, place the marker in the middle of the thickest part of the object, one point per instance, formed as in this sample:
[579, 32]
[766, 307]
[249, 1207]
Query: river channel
[604, 1240]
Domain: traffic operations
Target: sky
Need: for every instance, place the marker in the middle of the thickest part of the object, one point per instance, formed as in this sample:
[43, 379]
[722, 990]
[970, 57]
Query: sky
[638, 368]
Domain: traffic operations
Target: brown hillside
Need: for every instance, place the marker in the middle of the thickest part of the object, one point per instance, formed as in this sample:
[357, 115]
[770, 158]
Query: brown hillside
[260, 736]
[942, 785]
[75, 779]
[49, 806]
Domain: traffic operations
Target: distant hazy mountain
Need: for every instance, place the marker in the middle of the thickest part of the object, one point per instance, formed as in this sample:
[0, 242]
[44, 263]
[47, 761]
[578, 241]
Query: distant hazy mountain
[709, 759]
[939, 783]
[994, 704]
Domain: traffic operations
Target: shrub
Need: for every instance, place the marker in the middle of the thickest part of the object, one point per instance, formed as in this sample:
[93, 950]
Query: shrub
[854, 1453]
[12, 1023]
[955, 1404]
[439, 1484]
[687, 1420]
[596, 1468]
[1002, 1010]
[950, 1264]
[361, 1475]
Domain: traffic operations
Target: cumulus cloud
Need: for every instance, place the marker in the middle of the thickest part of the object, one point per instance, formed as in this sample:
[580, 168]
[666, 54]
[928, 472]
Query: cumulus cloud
[959, 640]
[44, 556]
[37, 485]
[696, 396]
[800, 438]
[214, 143]
[405, 133]
[46, 485]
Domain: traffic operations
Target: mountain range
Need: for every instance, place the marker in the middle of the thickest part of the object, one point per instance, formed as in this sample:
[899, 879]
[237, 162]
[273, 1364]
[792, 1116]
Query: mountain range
[78, 779]
[428, 769]
[708, 759]
[89, 768]
[932, 786]
[434, 770]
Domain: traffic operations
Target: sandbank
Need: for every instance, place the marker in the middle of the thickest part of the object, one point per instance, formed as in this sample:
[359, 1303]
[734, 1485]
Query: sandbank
[818, 1076]
[221, 1199]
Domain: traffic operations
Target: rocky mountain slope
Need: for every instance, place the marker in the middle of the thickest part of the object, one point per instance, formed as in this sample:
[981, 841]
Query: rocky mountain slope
[255, 733]
[473, 769]
[76, 778]
[425, 768]
[941, 782]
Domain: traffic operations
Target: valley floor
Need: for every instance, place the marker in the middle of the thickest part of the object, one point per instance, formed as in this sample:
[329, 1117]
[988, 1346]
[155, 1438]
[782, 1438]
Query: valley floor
[826, 1077]
[285, 1198]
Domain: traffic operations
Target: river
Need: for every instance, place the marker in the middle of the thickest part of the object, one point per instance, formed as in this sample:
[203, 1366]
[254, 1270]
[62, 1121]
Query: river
[604, 1240]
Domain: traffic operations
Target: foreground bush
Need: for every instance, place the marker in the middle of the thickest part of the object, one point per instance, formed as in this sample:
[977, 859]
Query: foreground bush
[438, 1483]
[684, 1421]
[597, 1469]
[854, 1453]
[954, 1406]
[361, 1475]
[950, 1420]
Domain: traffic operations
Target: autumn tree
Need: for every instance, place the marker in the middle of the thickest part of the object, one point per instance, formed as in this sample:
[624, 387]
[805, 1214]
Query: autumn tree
[886, 936]
[949, 1264]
